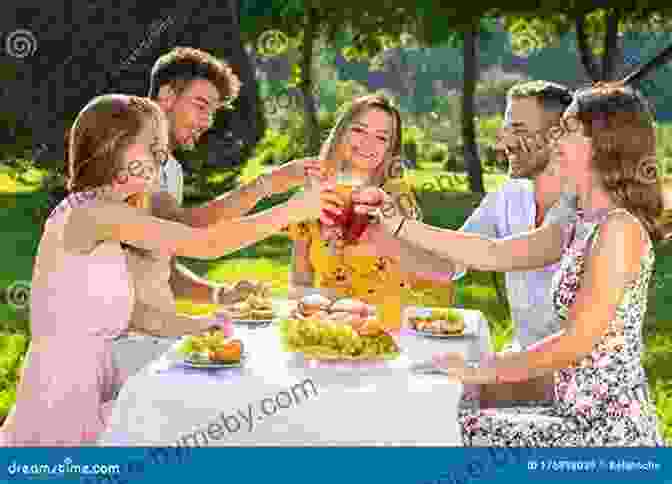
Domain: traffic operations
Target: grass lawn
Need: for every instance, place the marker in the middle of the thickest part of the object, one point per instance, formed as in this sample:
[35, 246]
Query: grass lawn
[269, 261]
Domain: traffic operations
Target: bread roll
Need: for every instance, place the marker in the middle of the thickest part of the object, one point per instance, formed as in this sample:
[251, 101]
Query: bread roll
[313, 303]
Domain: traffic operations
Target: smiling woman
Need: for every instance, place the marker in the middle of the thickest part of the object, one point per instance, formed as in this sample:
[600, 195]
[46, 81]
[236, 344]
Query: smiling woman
[365, 144]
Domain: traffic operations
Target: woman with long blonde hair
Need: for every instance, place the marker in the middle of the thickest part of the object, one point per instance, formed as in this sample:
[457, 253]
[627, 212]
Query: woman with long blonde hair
[368, 137]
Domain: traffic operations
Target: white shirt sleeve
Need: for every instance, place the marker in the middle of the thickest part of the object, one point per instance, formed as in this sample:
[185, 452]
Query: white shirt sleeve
[485, 220]
[172, 179]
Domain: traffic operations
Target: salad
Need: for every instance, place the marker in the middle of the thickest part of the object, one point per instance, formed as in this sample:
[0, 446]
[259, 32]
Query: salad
[441, 321]
[212, 347]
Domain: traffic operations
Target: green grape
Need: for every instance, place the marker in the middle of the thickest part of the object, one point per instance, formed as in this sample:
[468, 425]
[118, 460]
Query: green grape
[187, 347]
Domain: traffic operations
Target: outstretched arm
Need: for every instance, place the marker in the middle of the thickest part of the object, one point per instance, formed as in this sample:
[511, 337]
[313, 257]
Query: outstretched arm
[183, 282]
[530, 250]
[116, 221]
[240, 201]
[230, 205]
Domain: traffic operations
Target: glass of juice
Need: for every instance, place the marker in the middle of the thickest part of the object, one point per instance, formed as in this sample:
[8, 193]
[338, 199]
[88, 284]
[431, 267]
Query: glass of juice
[353, 224]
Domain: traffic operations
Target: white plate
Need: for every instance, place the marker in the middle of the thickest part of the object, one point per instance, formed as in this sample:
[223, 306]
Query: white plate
[429, 334]
[193, 364]
[253, 322]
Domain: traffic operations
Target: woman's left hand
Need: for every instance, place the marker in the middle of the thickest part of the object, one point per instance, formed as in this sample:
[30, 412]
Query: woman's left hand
[454, 366]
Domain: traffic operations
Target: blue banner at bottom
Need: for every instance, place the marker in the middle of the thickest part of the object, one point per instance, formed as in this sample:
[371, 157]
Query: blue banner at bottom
[419, 465]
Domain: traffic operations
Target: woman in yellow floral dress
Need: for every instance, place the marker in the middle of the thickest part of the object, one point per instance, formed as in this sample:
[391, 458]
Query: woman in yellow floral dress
[368, 134]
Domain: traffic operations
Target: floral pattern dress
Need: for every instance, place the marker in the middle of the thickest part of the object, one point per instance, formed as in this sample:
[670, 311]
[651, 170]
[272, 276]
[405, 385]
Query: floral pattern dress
[602, 400]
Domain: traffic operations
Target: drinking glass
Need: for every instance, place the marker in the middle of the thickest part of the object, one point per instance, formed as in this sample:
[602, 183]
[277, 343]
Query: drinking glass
[351, 223]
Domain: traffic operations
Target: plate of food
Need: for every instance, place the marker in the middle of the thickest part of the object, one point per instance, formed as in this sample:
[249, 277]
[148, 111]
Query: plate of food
[316, 306]
[339, 338]
[255, 310]
[437, 322]
[212, 349]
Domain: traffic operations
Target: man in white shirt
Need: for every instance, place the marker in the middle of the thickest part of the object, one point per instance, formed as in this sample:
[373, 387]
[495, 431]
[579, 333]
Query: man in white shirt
[190, 85]
[531, 197]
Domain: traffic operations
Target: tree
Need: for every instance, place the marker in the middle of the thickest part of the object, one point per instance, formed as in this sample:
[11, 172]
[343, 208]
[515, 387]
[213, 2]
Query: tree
[465, 30]
[432, 25]
[300, 23]
[70, 68]
[597, 30]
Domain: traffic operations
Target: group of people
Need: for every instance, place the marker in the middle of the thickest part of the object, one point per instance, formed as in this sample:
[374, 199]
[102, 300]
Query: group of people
[572, 229]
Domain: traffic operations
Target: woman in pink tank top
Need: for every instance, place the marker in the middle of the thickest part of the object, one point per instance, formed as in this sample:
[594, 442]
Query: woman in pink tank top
[82, 293]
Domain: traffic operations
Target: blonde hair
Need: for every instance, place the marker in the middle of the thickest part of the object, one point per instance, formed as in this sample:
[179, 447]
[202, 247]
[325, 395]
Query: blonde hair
[391, 166]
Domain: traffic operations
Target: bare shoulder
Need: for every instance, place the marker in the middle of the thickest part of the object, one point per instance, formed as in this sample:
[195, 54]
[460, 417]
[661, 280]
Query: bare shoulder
[623, 227]
[623, 241]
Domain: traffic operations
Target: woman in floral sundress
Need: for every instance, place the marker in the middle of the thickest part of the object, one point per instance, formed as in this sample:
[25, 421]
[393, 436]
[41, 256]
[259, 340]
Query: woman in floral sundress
[604, 149]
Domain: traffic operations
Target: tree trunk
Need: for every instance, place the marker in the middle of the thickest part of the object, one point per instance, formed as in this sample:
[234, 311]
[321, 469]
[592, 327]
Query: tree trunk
[585, 53]
[63, 75]
[472, 161]
[311, 124]
[237, 132]
[610, 45]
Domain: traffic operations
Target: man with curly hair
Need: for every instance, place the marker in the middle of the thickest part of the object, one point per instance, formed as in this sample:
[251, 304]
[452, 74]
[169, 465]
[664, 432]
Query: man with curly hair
[191, 86]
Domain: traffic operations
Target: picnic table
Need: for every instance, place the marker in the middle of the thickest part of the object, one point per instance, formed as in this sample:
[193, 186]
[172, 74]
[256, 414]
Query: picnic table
[280, 399]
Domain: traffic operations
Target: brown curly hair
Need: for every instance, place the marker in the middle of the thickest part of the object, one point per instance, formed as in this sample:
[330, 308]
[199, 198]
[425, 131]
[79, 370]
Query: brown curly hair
[185, 64]
[620, 125]
[101, 132]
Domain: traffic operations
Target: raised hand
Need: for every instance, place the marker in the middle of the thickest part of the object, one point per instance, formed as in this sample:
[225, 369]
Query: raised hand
[309, 202]
[293, 174]
[332, 205]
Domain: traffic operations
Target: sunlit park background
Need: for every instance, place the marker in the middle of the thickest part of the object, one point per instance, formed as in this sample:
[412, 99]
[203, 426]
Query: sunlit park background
[451, 90]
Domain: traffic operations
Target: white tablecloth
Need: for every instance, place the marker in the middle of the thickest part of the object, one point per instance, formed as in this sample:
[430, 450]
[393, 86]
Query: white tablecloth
[384, 405]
